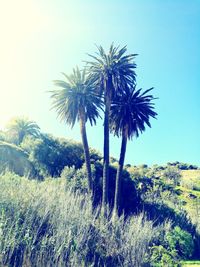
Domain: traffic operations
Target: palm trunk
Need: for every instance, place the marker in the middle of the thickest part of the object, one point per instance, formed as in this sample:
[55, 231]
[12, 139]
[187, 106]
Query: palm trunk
[86, 149]
[106, 154]
[119, 174]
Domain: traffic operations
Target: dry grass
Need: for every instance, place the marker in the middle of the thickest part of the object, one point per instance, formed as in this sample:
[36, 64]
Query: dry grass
[44, 224]
[191, 174]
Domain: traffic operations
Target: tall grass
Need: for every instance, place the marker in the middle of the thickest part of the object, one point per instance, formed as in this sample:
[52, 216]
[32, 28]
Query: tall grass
[45, 224]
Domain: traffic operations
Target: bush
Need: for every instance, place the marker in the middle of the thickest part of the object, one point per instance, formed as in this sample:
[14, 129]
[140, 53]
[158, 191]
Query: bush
[77, 181]
[50, 155]
[183, 166]
[172, 175]
[162, 257]
[174, 246]
[180, 241]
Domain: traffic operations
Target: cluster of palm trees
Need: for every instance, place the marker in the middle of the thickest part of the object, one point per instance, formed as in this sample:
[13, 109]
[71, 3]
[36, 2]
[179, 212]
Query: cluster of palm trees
[107, 83]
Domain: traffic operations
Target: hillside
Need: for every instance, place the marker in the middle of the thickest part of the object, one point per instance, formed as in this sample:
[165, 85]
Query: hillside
[46, 224]
[191, 178]
[190, 188]
[51, 220]
[15, 159]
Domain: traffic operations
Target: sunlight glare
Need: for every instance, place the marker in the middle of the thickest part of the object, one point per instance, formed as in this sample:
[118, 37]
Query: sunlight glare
[19, 21]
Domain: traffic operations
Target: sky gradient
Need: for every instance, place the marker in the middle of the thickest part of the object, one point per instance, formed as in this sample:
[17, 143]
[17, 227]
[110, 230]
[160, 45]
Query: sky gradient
[41, 39]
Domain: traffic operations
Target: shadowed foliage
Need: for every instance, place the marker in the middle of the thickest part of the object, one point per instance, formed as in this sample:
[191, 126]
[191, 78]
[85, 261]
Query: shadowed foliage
[50, 155]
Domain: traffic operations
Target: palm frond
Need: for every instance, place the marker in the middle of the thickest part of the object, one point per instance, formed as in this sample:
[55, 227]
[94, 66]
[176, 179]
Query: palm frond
[114, 69]
[78, 93]
[132, 110]
[19, 127]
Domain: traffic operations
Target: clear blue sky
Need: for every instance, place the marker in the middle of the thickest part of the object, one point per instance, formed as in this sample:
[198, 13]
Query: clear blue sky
[41, 39]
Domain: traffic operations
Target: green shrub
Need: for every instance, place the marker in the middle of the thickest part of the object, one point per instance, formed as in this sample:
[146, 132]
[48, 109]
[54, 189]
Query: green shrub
[172, 247]
[162, 257]
[180, 241]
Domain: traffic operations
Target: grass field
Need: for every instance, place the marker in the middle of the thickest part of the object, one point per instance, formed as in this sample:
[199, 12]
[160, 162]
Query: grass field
[191, 264]
[193, 174]
[191, 179]
[190, 187]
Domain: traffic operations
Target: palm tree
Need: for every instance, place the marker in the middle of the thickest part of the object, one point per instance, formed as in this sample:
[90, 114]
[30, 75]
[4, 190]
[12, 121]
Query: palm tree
[19, 127]
[130, 113]
[77, 101]
[112, 72]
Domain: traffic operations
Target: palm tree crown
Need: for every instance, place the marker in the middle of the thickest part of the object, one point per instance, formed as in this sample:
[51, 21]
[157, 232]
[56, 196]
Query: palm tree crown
[76, 93]
[20, 127]
[131, 112]
[114, 70]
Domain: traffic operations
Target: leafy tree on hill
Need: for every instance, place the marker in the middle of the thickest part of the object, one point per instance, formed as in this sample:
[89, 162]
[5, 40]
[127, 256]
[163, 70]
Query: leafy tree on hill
[78, 101]
[130, 112]
[50, 155]
[112, 71]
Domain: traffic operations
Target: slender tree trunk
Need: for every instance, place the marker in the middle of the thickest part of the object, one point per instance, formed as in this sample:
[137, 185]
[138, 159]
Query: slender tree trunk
[106, 154]
[119, 174]
[86, 149]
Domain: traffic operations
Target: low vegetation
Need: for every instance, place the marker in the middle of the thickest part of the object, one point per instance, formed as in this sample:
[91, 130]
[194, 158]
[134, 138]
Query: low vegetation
[46, 224]
[47, 217]
[54, 223]
[64, 204]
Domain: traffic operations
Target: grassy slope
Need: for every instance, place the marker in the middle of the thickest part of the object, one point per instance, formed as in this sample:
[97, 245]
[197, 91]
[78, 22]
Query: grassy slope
[191, 263]
[192, 178]
[190, 184]
[190, 194]
[15, 159]
[191, 174]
